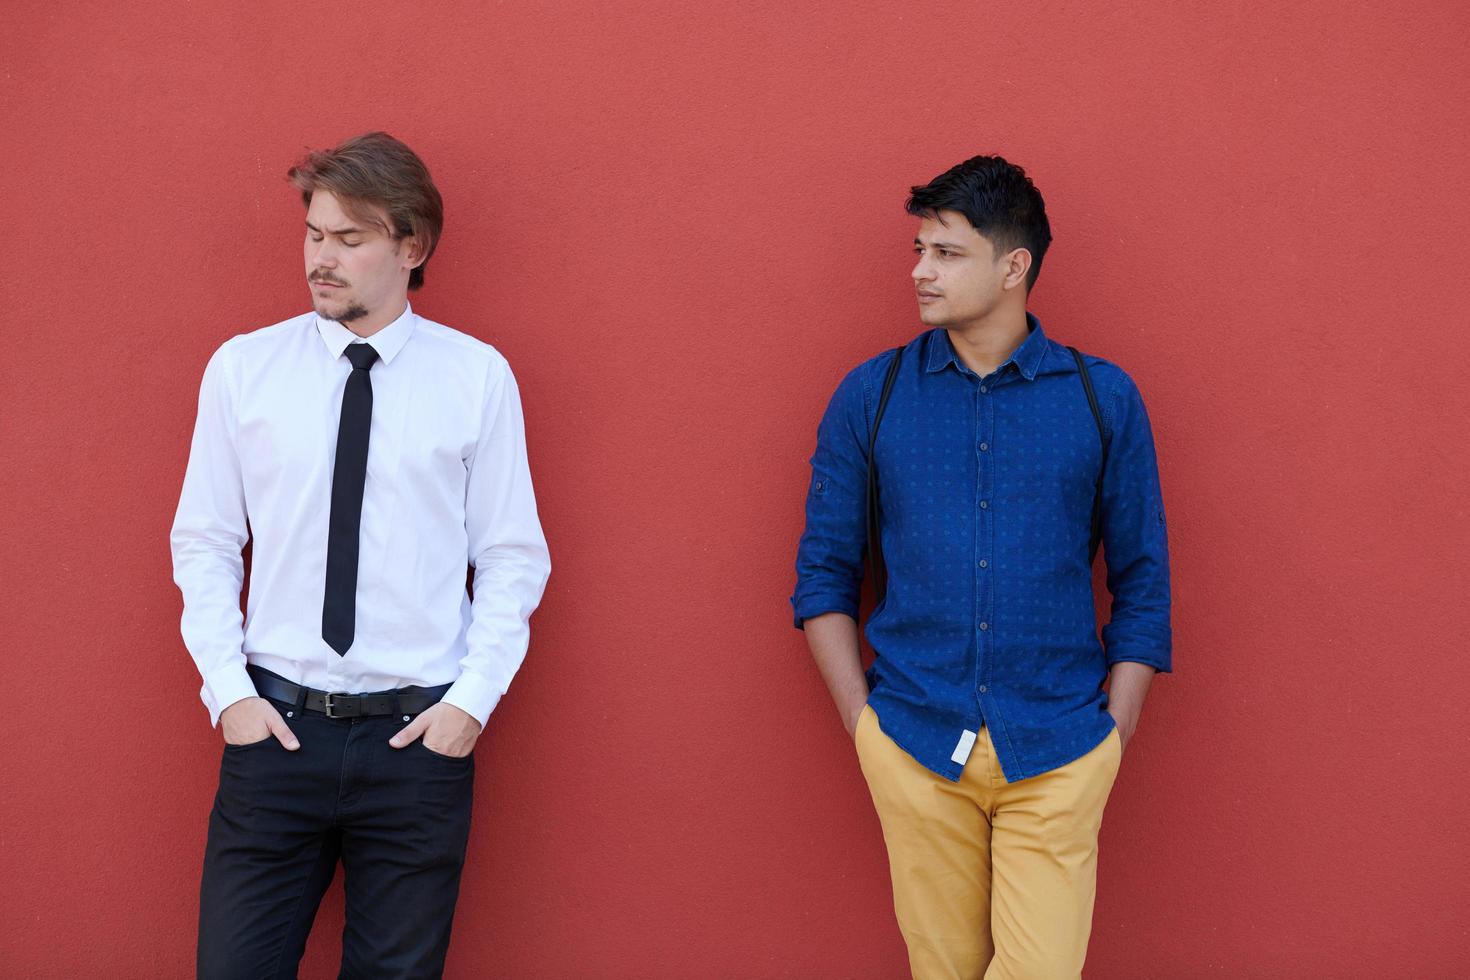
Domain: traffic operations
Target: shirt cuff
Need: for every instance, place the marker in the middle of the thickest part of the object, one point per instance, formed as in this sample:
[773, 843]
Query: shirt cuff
[473, 695]
[224, 686]
[819, 603]
[1159, 660]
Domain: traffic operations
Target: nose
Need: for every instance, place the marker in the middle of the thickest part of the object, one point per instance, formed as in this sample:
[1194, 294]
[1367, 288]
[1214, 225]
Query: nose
[922, 272]
[323, 254]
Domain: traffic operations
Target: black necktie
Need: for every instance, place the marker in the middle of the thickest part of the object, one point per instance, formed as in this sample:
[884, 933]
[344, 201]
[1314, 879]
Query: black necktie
[339, 603]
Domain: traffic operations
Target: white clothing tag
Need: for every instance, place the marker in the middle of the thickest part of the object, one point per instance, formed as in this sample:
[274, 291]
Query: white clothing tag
[962, 750]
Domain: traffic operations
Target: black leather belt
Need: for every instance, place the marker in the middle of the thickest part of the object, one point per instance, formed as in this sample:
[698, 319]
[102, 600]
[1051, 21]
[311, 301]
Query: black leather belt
[404, 701]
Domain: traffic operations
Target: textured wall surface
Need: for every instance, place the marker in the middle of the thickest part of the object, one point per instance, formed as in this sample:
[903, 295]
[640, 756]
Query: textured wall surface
[682, 222]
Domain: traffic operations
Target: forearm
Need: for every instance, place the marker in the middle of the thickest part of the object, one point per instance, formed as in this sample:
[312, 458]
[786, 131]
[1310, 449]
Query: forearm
[1128, 684]
[211, 624]
[833, 639]
[508, 586]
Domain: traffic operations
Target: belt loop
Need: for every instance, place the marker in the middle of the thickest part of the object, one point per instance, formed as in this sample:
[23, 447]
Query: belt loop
[397, 710]
[301, 690]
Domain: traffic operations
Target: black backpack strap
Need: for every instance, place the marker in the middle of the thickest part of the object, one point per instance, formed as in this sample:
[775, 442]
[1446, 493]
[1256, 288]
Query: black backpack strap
[1102, 435]
[875, 548]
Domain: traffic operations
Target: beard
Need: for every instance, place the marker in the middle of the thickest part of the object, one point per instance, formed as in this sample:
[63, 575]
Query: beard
[342, 314]
[346, 315]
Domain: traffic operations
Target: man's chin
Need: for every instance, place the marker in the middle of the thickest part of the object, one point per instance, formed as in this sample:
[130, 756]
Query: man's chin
[340, 312]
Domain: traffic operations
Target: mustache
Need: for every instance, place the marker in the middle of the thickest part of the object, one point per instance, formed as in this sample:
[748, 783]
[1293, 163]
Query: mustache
[323, 277]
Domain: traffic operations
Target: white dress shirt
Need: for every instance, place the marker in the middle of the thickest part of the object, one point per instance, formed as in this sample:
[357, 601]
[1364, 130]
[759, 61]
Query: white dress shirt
[447, 486]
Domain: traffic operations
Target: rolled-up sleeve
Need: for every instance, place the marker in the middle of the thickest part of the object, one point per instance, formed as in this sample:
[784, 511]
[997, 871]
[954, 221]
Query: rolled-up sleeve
[829, 560]
[1135, 538]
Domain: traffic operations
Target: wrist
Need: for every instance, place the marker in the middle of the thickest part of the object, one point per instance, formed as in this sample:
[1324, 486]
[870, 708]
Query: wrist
[466, 721]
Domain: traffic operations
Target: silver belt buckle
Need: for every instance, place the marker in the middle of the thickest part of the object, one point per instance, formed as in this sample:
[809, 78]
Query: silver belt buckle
[327, 705]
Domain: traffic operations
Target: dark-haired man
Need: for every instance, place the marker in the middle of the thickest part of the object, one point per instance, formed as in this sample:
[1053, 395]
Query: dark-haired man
[369, 455]
[987, 741]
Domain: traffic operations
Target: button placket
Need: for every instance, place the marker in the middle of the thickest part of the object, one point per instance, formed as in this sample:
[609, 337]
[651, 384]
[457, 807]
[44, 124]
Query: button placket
[985, 488]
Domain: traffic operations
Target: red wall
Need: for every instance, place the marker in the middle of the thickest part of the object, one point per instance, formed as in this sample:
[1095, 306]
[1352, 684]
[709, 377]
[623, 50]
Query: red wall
[682, 222]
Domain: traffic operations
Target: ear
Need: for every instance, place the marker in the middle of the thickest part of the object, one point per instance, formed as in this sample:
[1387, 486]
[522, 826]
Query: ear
[1017, 265]
[414, 252]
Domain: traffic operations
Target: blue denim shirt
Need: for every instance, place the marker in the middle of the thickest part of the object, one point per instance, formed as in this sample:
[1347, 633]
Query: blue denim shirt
[986, 489]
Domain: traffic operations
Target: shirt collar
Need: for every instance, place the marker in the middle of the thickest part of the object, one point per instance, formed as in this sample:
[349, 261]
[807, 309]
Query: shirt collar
[1027, 357]
[387, 342]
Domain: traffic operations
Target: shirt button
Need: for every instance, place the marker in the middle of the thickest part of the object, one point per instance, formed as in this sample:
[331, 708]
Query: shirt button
[984, 563]
[984, 505]
[984, 627]
[982, 688]
[984, 389]
[984, 446]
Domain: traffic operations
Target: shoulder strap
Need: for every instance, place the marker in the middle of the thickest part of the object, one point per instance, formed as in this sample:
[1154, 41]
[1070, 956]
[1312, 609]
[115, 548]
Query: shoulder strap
[1102, 436]
[875, 548]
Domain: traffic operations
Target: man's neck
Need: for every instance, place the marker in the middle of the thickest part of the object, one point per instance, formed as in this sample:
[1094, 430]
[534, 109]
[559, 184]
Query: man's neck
[368, 325]
[986, 345]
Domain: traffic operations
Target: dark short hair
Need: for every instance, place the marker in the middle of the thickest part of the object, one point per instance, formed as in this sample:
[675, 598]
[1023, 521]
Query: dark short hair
[997, 198]
[374, 171]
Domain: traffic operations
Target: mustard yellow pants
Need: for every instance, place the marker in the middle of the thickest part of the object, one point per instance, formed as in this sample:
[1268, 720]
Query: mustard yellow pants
[991, 879]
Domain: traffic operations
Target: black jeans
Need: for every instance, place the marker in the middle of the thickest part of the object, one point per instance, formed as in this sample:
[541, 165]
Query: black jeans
[398, 819]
